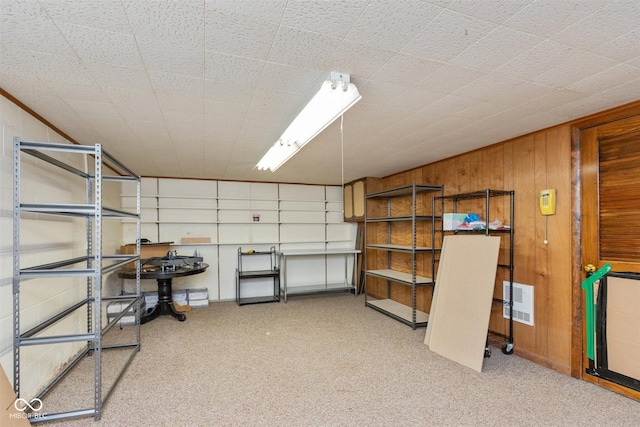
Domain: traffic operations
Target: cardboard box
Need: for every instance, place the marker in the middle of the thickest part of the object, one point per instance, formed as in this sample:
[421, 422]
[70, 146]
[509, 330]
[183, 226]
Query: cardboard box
[189, 240]
[199, 303]
[115, 307]
[198, 294]
[150, 299]
[147, 250]
[451, 221]
[9, 415]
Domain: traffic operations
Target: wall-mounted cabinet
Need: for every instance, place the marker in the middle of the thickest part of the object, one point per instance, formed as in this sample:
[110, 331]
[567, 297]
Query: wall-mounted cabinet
[354, 200]
[400, 250]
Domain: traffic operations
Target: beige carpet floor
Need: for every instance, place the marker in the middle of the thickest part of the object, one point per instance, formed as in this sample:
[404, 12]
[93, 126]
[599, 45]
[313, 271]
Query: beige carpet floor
[323, 361]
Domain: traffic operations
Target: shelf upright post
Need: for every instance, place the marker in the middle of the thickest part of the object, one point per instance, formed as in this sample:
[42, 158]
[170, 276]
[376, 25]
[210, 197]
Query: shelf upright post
[97, 277]
[16, 265]
[414, 291]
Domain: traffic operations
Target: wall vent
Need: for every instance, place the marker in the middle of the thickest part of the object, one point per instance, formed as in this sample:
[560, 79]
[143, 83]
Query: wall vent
[522, 302]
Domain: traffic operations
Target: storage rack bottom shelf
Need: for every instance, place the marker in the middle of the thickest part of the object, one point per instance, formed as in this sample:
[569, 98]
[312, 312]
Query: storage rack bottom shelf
[400, 312]
[319, 288]
[258, 300]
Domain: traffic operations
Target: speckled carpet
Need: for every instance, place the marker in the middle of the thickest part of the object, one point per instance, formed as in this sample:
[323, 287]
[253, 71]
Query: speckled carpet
[322, 361]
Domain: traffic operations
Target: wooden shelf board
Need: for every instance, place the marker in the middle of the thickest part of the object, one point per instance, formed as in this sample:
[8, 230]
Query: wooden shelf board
[400, 276]
[399, 310]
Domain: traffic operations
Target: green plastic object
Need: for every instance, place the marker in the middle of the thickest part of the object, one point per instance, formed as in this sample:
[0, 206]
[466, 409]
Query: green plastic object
[587, 285]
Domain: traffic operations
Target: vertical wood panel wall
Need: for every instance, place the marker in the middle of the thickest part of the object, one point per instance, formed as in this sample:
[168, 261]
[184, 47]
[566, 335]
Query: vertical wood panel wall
[526, 165]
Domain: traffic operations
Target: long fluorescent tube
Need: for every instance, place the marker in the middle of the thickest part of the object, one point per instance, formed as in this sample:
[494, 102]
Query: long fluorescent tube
[332, 100]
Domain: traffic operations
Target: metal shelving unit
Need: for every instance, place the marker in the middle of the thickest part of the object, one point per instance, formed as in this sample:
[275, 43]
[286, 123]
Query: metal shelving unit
[409, 315]
[94, 265]
[486, 196]
[272, 273]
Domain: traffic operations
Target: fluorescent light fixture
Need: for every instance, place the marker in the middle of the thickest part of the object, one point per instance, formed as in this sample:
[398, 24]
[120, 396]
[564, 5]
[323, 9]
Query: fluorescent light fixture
[335, 97]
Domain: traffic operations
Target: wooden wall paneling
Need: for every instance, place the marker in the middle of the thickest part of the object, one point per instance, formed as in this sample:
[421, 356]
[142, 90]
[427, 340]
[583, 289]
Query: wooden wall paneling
[525, 210]
[559, 292]
[539, 283]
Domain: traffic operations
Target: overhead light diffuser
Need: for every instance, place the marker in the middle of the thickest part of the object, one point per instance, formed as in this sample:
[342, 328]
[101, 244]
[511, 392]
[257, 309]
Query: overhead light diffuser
[336, 96]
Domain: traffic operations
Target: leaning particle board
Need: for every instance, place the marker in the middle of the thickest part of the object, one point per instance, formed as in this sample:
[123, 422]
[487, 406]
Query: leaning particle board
[10, 416]
[465, 294]
[623, 326]
[442, 266]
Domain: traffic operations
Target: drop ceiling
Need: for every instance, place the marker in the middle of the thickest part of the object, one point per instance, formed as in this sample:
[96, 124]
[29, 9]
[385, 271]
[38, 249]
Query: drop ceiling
[202, 89]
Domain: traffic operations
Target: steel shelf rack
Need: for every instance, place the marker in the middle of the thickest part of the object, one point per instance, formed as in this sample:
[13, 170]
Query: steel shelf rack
[484, 197]
[390, 199]
[94, 265]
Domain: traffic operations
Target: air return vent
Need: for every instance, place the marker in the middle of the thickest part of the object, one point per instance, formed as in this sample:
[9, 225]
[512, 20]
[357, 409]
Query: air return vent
[522, 302]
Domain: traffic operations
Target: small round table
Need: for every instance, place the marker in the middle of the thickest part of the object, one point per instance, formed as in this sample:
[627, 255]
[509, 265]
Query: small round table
[164, 278]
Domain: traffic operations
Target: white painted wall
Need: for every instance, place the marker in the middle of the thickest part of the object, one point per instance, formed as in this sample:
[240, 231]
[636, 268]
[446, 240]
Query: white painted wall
[44, 238]
[292, 216]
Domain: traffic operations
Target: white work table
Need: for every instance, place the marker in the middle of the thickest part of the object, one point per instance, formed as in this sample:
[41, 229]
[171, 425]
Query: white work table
[342, 286]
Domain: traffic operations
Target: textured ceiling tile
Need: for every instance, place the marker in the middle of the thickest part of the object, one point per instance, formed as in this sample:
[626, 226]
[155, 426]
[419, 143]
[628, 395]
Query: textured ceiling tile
[414, 99]
[580, 66]
[622, 94]
[224, 109]
[449, 78]
[548, 17]
[449, 34]
[186, 61]
[553, 99]
[180, 102]
[603, 26]
[104, 110]
[270, 10]
[622, 48]
[405, 70]
[238, 34]
[106, 15]
[96, 45]
[519, 94]
[379, 93]
[614, 76]
[487, 87]
[221, 67]
[284, 105]
[330, 17]
[42, 34]
[480, 111]
[496, 11]
[537, 60]
[359, 60]
[175, 24]
[107, 75]
[499, 46]
[302, 48]
[235, 92]
[387, 26]
[291, 79]
[582, 107]
[176, 84]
